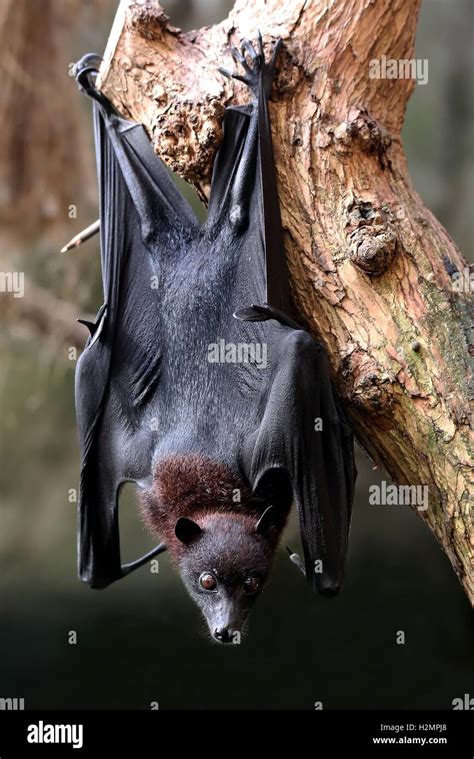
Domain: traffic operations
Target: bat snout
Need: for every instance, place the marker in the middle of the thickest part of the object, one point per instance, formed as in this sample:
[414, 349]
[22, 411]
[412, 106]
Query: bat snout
[225, 626]
[224, 634]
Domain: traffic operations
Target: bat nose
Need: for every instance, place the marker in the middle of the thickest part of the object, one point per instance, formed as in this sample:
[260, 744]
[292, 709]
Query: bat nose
[223, 634]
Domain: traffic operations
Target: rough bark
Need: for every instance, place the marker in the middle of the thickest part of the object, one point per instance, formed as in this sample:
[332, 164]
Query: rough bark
[371, 268]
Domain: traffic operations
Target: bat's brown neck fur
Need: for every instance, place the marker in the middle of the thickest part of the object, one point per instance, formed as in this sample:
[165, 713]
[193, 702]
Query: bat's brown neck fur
[198, 488]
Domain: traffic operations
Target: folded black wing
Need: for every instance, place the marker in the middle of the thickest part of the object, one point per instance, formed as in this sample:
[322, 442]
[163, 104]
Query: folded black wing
[304, 432]
[244, 195]
[140, 209]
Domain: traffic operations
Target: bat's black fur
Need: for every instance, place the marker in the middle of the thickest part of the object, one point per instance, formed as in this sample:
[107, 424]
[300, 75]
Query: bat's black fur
[196, 383]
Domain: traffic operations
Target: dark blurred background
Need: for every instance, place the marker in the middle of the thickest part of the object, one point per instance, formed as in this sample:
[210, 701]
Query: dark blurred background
[142, 641]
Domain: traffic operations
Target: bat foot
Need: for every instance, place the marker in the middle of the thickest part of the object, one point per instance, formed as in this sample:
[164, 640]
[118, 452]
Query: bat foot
[252, 61]
[85, 72]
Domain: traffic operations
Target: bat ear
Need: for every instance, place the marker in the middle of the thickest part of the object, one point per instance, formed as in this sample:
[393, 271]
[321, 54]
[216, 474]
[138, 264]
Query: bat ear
[267, 519]
[186, 530]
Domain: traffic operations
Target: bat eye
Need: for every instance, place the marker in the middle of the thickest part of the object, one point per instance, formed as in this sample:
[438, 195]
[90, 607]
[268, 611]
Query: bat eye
[251, 585]
[208, 581]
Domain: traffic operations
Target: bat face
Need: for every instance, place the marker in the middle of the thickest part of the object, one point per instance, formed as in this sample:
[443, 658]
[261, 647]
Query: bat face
[224, 566]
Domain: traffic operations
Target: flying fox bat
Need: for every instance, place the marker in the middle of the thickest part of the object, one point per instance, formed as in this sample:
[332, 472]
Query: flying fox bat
[196, 382]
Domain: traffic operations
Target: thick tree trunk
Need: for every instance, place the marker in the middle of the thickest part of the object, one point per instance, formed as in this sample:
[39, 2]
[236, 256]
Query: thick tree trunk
[371, 268]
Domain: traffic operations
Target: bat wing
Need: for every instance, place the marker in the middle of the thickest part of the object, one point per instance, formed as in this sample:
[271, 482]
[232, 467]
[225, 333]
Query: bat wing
[244, 194]
[120, 365]
[302, 429]
[304, 432]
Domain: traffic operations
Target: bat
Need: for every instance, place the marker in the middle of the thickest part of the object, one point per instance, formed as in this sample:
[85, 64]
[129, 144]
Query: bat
[196, 382]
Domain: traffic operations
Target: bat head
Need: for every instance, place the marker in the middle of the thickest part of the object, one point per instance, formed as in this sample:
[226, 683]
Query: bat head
[222, 547]
[224, 562]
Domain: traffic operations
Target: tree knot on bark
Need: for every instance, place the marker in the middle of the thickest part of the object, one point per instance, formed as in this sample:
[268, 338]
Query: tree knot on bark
[186, 134]
[361, 130]
[148, 20]
[366, 387]
[371, 235]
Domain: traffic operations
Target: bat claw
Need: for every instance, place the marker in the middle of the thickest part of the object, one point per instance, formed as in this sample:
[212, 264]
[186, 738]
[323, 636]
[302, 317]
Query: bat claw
[276, 52]
[256, 313]
[296, 560]
[225, 72]
[233, 75]
[89, 63]
[85, 72]
[247, 47]
[240, 59]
